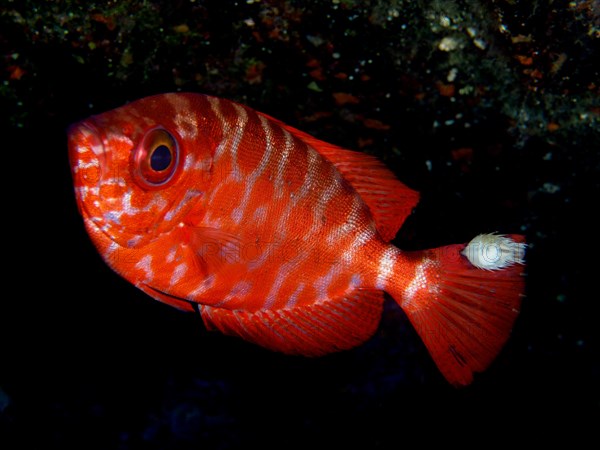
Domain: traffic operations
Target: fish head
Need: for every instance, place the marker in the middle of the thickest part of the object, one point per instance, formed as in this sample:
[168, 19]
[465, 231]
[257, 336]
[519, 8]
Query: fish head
[140, 169]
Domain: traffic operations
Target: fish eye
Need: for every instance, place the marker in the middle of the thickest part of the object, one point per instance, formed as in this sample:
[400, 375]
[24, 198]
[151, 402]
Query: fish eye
[161, 158]
[156, 158]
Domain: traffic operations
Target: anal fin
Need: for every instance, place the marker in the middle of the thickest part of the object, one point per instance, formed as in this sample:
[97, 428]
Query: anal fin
[311, 330]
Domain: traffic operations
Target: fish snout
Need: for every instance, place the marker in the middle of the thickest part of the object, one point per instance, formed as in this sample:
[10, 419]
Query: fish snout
[87, 156]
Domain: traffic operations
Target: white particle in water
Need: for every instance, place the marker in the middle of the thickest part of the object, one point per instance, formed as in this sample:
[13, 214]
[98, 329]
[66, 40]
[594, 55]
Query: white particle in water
[452, 75]
[448, 44]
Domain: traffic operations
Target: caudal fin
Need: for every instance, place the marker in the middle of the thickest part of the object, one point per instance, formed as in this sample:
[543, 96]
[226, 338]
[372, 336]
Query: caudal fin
[463, 301]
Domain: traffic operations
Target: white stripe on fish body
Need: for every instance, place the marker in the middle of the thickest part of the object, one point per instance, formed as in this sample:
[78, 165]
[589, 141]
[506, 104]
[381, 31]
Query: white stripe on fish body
[283, 160]
[187, 127]
[232, 133]
[249, 184]
[419, 282]
[385, 269]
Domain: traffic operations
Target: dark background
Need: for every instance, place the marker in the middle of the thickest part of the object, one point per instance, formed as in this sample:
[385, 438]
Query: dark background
[489, 109]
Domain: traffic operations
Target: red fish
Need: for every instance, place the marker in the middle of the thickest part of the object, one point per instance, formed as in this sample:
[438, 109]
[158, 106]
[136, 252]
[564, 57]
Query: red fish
[277, 237]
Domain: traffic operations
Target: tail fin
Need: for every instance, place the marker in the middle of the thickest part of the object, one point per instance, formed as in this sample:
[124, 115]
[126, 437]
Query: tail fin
[463, 301]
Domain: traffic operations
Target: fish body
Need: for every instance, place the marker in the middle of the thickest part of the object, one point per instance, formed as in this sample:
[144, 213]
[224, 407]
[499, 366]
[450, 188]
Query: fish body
[277, 237]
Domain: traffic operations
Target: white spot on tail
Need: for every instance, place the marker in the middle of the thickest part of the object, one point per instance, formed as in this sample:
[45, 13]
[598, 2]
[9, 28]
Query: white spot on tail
[494, 252]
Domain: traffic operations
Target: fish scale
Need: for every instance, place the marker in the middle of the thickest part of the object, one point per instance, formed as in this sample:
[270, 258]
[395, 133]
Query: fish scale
[259, 160]
[280, 238]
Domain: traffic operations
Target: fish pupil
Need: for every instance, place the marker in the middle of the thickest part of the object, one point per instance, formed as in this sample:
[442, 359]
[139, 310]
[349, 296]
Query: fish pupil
[161, 158]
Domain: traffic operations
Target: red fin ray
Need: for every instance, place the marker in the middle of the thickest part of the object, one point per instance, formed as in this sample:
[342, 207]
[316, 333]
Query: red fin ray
[311, 330]
[389, 200]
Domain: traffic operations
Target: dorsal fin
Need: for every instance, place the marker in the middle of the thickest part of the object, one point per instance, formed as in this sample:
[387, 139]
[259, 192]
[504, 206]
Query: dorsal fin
[389, 200]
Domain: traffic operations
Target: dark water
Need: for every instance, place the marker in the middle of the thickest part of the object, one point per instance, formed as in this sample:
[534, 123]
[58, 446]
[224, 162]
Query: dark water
[490, 110]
